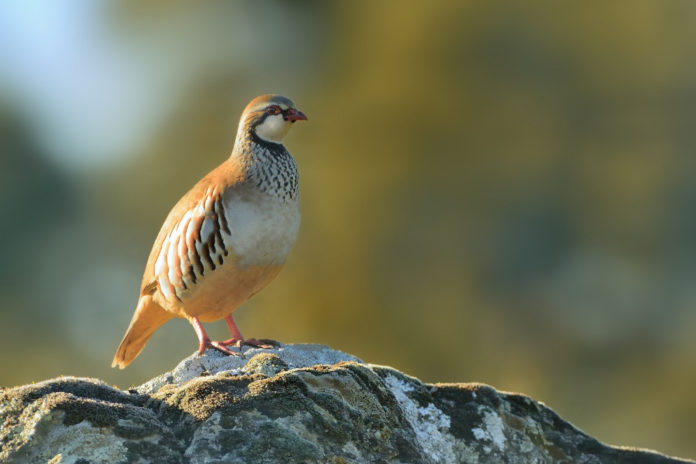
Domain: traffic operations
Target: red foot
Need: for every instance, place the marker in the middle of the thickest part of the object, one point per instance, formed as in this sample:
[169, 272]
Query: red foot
[206, 343]
[262, 343]
[219, 346]
[239, 341]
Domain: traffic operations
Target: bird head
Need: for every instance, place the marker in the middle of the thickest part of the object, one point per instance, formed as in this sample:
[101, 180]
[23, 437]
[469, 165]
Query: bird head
[270, 117]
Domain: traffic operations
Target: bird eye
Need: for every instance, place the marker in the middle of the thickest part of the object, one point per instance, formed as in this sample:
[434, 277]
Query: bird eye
[273, 110]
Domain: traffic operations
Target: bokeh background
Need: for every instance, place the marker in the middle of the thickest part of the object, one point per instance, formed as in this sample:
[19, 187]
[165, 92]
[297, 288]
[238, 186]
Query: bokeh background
[491, 191]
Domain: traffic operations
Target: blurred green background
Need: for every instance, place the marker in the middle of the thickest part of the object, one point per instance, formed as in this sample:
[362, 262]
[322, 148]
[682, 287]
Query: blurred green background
[491, 191]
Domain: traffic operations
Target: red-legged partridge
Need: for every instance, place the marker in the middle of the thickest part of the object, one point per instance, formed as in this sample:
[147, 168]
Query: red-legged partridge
[227, 238]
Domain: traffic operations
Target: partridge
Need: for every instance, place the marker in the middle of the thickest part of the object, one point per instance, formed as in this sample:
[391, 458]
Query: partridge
[227, 238]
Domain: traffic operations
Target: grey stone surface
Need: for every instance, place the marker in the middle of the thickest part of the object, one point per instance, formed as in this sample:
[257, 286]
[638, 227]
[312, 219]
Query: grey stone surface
[215, 363]
[292, 404]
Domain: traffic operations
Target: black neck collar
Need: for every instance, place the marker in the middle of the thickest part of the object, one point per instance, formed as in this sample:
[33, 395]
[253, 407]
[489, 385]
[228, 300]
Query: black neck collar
[271, 146]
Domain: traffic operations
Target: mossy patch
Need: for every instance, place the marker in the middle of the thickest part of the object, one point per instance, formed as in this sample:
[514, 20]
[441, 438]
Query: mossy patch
[267, 364]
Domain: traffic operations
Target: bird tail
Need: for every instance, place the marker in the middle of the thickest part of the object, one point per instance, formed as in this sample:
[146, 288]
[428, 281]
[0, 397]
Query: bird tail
[147, 318]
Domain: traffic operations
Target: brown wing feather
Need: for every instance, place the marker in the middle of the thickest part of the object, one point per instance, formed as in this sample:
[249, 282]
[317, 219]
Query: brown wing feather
[225, 176]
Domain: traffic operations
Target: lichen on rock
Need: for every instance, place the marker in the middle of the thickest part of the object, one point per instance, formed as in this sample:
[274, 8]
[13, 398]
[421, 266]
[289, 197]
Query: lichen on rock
[291, 404]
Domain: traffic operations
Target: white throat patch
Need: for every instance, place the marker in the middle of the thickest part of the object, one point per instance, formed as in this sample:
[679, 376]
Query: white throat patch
[273, 128]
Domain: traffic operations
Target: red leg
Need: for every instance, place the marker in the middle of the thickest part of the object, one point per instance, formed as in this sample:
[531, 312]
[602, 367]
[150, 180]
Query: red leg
[234, 331]
[238, 340]
[205, 341]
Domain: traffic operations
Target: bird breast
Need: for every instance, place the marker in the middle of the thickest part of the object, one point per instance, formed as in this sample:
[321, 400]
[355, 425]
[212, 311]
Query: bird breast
[262, 227]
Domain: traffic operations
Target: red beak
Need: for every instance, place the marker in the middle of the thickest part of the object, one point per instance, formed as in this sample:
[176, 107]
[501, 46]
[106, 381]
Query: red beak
[293, 115]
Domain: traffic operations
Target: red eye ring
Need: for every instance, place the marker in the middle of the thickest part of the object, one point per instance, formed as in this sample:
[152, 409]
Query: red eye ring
[272, 109]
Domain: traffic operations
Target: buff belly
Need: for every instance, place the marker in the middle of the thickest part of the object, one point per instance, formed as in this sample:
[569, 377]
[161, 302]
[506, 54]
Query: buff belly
[225, 290]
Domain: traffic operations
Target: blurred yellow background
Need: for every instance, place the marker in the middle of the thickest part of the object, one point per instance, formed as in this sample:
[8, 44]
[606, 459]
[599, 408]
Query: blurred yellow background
[491, 191]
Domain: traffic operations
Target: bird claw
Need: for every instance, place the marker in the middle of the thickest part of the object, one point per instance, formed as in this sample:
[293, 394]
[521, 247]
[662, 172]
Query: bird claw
[218, 346]
[264, 343]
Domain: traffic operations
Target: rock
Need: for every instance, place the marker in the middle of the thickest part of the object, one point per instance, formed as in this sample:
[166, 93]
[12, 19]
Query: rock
[292, 404]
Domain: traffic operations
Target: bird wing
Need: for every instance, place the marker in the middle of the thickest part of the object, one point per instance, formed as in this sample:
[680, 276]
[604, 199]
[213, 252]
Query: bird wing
[191, 241]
